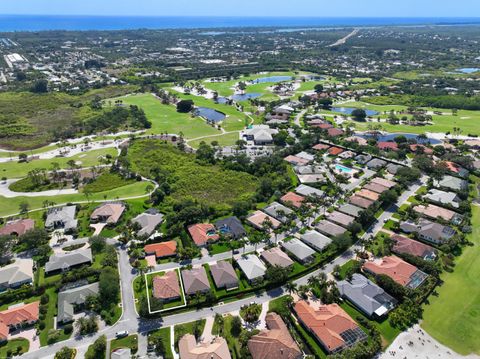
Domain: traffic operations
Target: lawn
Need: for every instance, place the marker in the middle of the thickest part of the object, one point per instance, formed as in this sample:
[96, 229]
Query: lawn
[107, 181]
[50, 317]
[11, 347]
[227, 139]
[452, 317]
[210, 185]
[10, 206]
[164, 335]
[14, 169]
[345, 268]
[225, 331]
[188, 328]
[130, 341]
[165, 118]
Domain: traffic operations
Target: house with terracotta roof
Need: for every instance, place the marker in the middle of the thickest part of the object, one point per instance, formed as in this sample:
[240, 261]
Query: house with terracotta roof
[292, 199]
[409, 246]
[403, 273]
[202, 233]
[275, 342]
[166, 287]
[224, 275]
[455, 168]
[18, 316]
[108, 213]
[334, 329]
[195, 280]
[365, 193]
[360, 202]
[334, 151]
[359, 140]
[387, 146]
[17, 228]
[190, 349]
[417, 148]
[258, 218]
[335, 132]
[161, 250]
[296, 161]
[321, 147]
[434, 212]
[276, 257]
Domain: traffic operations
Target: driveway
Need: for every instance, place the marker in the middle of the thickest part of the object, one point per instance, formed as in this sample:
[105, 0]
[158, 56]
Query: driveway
[30, 335]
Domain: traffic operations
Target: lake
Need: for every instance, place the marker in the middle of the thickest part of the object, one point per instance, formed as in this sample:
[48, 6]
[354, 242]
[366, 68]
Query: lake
[272, 79]
[392, 136]
[210, 114]
[246, 96]
[349, 110]
[468, 70]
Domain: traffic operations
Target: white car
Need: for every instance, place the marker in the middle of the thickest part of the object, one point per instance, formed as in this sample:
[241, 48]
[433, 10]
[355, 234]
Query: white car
[122, 334]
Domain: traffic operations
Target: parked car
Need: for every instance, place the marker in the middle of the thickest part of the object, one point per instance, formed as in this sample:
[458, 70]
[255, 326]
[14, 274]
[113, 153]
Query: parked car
[122, 334]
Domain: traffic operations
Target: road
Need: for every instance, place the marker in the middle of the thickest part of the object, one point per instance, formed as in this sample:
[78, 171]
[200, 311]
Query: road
[343, 40]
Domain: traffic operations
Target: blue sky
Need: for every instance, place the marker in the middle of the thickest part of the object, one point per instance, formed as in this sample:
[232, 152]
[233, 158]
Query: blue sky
[312, 8]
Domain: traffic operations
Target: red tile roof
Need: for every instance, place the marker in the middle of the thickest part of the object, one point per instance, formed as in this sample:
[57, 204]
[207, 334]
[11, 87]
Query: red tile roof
[327, 323]
[365, 193]
[18, 227]
[321, 147]
[166, 286]
[274, 343]
[388, 146]
[360, 202]
[394, 267]
[324, 126]
[426, 150]
[334, 132]
[164, 249]
[202, 233]
[293, 199]
[26, 313]
[406, 245]
[335, 151]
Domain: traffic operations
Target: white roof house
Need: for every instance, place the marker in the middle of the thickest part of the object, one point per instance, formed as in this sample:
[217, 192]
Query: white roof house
[315, 240]
[252, 267]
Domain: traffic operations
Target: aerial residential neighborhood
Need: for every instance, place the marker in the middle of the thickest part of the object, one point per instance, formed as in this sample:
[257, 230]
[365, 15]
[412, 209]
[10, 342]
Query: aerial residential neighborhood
[239, 187]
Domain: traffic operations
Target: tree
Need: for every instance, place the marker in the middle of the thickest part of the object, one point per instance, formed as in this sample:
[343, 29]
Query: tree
[65, 353]
[251, 313]
[359, 114]
[99, 348]
[24, 207]
[389, 197]
[236, 326]
[342, 241]
[97, 244]
[109, 289]
[277, 275]
[40, 86]
[185, 106]
[205, 153]
[318, 88]
[291, 287]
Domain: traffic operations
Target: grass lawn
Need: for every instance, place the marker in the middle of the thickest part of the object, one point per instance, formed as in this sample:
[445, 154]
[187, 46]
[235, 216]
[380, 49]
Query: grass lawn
[165, 118]
[14, 169]
[164, 335]
[11, 347]
[225, 331]
[107, 181]
[227, 139]
[452, 317]
[130, 341]
[346, 267]
[10, 206]
[188, 328]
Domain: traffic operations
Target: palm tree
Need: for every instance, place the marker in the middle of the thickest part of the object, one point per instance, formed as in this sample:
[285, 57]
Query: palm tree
[291, 287]
[313, 281]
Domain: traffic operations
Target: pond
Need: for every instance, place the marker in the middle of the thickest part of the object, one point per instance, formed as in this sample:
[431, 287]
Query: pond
[272, 79]
[222, 100]
[210, 114]
[468, 70]
[391, 137]
[246, 96]
[349, 110]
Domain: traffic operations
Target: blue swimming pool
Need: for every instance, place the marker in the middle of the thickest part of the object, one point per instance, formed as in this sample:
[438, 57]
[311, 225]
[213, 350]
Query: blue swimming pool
[343, 169]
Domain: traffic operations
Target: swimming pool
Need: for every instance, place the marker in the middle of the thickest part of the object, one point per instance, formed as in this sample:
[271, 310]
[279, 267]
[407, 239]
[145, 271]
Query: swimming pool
[343, 169]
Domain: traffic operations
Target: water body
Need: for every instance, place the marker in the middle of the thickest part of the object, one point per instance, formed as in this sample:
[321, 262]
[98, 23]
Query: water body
[263, 80]
[210, 114]
[392, 136]
[246, 96]
[468, 70]
[349, 110]
[222, 100]
[61, 22]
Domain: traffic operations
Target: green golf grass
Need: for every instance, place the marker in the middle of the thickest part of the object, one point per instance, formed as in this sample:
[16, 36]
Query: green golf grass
[453, 316]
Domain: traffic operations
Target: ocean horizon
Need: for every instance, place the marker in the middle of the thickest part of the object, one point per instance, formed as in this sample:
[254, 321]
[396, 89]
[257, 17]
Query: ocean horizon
[18, 23]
